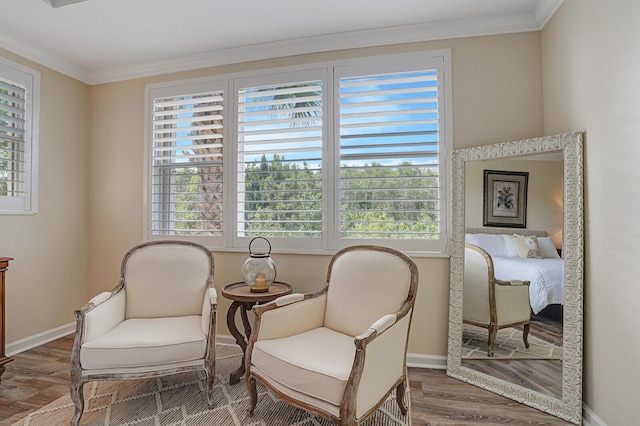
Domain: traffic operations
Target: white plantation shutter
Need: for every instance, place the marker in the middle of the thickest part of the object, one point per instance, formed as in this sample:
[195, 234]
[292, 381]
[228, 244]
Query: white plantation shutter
[279, 160]
[315, 157]
[187, 168]
[18, 146]
[389, 166]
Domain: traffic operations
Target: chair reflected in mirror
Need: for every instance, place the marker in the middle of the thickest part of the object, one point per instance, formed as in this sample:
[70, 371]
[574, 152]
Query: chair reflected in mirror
[491, 303]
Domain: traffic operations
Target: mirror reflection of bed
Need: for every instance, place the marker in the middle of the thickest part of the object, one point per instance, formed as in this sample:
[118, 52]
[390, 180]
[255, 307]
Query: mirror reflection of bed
[538, 367]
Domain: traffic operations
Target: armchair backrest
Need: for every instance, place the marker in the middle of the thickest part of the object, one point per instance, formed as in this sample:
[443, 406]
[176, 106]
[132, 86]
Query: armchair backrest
[166, 279]
[365, 283]
[478, 285]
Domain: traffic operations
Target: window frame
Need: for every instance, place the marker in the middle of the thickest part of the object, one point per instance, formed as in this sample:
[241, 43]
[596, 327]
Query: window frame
[330, 241]
[29, 79]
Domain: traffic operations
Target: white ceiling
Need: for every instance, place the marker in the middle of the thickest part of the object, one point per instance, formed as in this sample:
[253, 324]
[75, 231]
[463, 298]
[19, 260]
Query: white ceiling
[97, 41]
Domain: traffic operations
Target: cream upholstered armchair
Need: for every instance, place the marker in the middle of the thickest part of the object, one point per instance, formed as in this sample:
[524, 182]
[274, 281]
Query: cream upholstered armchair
[341, 351]
[492, 303]
[159, 320]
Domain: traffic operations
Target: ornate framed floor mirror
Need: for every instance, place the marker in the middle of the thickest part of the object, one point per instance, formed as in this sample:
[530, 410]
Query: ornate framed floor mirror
[555, 166]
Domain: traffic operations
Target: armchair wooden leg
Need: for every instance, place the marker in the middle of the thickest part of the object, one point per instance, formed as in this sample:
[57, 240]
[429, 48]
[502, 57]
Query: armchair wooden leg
[77, 396]
[400, 391]
[210, 392]
[493, 331]
[525, 335]
[253, 393]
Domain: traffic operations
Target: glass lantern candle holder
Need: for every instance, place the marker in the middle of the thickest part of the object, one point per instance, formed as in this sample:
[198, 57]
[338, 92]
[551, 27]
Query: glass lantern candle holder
[259, 270]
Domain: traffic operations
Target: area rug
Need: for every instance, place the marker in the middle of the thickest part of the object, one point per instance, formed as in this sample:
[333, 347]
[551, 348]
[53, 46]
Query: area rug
[508, 344]
[181, 400]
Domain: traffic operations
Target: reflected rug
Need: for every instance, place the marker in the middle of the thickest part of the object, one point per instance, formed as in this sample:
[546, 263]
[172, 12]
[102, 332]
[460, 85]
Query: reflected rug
[181, 400]
[508, 344]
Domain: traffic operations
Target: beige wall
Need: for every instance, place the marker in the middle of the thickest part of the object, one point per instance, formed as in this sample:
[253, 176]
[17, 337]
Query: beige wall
[591, 58]
[544, 193]
[47, 280]
[496, 80]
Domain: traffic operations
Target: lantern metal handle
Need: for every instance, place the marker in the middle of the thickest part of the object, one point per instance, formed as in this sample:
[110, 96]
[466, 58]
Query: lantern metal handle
[261, 254]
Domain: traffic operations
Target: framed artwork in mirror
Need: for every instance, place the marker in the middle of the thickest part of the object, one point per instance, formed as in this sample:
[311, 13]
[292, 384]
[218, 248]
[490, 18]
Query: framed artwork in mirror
[505, 198]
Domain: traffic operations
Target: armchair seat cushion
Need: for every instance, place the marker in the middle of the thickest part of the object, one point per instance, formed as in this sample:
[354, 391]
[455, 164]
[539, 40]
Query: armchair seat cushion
[316, 363]
[140, 342]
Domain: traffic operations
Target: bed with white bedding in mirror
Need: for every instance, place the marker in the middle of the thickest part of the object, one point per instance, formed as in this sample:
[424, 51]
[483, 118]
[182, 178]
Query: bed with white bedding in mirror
[526, 255]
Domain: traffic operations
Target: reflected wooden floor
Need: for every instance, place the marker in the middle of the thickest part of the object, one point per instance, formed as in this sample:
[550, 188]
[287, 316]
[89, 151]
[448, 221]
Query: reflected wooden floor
[544, 376]
[41, 375]
[439, 400]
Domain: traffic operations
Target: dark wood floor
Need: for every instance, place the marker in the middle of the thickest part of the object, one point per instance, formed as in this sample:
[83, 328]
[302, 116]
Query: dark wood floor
[41, 375]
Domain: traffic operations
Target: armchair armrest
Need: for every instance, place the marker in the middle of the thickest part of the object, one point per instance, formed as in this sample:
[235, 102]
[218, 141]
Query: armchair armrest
[100, 298]
[289, 315]
[380, 358]
[513, 283]
[101, 314]
[213, 295]
[288, 299]
[209, 305]
[383, 323]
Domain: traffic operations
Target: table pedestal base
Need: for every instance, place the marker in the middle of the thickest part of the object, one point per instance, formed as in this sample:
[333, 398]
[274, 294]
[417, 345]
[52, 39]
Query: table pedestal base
[241, 340]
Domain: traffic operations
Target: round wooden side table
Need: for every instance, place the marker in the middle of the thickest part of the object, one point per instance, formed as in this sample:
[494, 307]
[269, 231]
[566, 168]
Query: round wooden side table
[242, 296]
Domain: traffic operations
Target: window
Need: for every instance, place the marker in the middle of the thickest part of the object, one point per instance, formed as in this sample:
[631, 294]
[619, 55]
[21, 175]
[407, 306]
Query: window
[279, 158]
[313, 158]
[19, 99]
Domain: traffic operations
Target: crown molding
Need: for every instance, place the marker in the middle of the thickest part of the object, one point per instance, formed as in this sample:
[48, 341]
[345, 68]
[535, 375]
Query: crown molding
[473, 27]
[56, 63]
[545, 10]
[339, 41]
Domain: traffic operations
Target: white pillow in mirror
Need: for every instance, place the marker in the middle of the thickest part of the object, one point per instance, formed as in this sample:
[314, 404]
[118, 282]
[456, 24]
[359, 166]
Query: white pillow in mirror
[491, 243]
[510, 246]
[527, 246]
[548, 248]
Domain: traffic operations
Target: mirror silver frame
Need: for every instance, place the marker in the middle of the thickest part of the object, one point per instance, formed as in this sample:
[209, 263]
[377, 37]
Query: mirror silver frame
[569, 407]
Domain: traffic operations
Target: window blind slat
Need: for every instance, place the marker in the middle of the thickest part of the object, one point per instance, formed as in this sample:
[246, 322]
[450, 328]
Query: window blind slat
[20, 91]
[188, 138]
[10, 109]
[11, 130]
[168, 122]
[185, 147]
[180, 101]
[13, 99]
[377, 80]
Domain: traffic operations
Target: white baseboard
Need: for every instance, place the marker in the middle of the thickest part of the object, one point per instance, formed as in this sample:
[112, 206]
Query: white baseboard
[589, 418]
[426, 361]
[39, 339]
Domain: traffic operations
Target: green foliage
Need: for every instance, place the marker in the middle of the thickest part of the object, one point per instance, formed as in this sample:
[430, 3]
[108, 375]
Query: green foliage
[389, 203]
[188, 186]
[285, 200]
